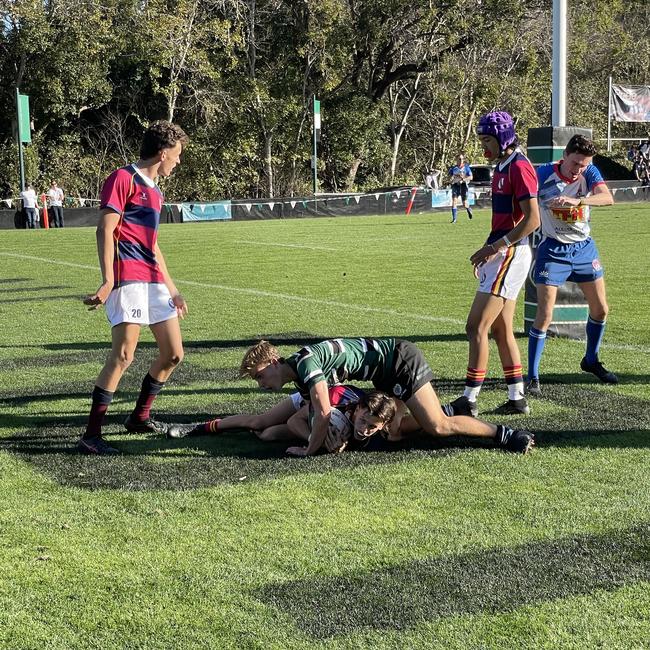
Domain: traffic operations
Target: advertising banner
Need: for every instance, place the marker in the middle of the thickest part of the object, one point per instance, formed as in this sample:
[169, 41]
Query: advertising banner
[206, 211]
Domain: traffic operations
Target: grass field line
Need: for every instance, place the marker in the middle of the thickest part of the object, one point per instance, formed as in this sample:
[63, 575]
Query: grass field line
[324, 302]
[264, 294]
[269, 243]
[313, 301]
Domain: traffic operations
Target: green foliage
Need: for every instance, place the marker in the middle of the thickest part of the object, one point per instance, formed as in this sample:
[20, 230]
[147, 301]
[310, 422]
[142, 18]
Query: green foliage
[401, 84]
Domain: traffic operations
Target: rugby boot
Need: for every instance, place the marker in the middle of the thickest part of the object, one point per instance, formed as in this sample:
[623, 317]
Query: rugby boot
[533, 388]
[597, 368]
[145, 426]
[517, 441]
[96, 446]
[464, 406]
[513, 407]
[186, 430]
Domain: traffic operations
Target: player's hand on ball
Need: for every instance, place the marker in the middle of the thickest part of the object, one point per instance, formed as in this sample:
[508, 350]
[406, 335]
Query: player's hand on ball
[181, 305]
[96, 300]
[335, 442]
[336, 449]
[563, 202]
[297, 451]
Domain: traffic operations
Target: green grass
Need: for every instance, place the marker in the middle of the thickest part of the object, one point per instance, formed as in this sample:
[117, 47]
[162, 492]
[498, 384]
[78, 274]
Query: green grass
[225, 543]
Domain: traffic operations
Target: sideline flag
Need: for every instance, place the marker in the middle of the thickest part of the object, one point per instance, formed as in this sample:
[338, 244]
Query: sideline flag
[630, 103]
[24, 123]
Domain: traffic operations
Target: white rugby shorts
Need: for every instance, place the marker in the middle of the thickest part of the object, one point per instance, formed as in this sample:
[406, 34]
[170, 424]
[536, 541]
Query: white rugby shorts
[143, 303]
[297, 400]
[505, 273]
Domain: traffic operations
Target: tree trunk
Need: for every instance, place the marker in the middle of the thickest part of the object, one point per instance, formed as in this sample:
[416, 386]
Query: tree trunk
[470, 124]
[352, 174]
[398, 132]
[268, 162]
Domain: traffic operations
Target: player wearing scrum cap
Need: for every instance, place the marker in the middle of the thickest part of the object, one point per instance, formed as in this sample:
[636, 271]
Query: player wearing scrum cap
[502, 263]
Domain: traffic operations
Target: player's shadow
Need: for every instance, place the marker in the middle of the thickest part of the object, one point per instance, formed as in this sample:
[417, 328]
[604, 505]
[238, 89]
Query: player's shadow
[589, 380]
[493, 581]
[585, 415]
[154, 462]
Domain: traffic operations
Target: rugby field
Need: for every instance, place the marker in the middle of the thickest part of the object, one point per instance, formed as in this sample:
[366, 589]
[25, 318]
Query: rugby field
[223, 542]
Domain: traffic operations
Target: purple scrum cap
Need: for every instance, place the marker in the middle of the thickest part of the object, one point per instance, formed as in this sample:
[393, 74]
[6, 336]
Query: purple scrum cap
[500, 125]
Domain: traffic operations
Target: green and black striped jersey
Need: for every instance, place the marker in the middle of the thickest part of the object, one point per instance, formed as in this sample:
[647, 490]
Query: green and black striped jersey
[339, 360]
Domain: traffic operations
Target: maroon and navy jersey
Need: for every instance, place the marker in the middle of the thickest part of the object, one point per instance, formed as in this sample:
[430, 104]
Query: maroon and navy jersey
[514, 181]
[138, 201]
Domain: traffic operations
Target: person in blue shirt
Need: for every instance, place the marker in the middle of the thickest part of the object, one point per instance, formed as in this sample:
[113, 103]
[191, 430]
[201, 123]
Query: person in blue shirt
[567, 191]
[461, 175]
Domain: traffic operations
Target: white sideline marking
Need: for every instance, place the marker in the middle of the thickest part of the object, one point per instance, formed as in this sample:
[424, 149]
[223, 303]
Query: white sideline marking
[267, 294]
[267, 243]
[328, 303]
[391, 239]
[315, 301]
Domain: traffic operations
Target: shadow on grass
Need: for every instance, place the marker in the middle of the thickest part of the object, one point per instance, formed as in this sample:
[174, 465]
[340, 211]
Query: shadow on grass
[587, 417]
[190, 463]
[9, 301]
[295, 339]
[33, 289]
[156, 463]
[484, 582]
[123, 395]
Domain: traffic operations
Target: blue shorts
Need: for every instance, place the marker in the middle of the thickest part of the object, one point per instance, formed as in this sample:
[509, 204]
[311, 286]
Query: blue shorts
[557, 263]
[459, 190]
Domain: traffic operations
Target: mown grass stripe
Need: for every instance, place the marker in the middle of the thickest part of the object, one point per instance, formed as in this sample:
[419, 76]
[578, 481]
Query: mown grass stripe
[501, 580]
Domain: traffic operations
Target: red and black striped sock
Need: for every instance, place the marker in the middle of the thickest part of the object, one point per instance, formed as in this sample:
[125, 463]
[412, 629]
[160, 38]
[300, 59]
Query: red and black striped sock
[474, 382]
[212, 426]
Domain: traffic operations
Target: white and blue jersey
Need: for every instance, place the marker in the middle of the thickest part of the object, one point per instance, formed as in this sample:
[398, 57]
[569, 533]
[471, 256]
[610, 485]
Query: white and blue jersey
[460, 173]
[567, 252]
[566, 224]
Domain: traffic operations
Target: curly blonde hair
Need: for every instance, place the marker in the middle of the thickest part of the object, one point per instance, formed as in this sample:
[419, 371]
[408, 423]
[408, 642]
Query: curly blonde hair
[261, 352]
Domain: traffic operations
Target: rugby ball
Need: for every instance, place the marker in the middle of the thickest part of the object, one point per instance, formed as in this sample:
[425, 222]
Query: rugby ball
[339, 432]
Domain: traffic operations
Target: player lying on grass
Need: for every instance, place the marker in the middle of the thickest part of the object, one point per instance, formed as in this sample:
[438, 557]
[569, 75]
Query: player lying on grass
[356, 416]
[394, 366]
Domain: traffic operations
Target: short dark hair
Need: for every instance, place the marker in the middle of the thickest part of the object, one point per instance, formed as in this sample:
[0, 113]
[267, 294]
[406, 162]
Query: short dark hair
[380, 405]
[161, 135]
[579, 144]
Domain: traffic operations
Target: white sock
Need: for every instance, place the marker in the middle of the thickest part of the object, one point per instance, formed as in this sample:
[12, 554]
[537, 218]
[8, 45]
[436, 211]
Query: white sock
[471, 392]
[516, 391]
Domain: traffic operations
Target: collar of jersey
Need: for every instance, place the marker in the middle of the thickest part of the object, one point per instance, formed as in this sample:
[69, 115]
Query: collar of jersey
[508, 160]
[146, 179]
[560, 175]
